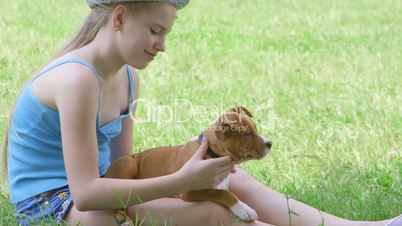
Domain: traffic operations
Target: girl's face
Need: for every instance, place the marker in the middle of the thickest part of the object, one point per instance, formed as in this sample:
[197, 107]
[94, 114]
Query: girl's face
[143, 34]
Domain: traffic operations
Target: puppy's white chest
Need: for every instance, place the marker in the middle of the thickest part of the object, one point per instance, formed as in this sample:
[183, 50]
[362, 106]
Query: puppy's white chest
[224, 185]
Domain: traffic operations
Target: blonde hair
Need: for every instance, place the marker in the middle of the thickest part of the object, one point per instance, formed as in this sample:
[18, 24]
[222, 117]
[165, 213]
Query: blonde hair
[87, 32]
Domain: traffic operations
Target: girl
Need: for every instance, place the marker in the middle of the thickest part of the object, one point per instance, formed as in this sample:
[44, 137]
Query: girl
[71, 120]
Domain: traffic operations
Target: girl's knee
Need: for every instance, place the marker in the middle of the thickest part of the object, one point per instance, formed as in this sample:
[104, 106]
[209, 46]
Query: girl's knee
[76, 217]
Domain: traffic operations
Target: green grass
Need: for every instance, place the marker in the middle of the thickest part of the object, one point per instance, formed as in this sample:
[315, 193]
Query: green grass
[330, 71]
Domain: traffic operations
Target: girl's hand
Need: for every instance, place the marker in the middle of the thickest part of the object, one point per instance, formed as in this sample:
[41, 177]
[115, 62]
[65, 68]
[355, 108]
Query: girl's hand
[198, 174]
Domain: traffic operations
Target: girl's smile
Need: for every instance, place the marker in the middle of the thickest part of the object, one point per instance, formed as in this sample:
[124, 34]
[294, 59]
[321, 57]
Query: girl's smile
[150, 55]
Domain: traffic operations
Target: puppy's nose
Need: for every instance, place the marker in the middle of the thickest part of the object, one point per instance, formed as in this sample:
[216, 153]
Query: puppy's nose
[268, 144]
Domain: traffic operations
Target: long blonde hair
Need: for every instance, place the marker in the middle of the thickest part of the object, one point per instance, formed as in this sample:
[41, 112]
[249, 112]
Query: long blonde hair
[87, 32]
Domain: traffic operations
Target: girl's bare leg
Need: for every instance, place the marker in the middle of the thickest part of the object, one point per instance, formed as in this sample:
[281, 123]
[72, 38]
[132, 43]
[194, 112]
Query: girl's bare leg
[173, 211]
[177, 212]
[272, 206]
[90, 218]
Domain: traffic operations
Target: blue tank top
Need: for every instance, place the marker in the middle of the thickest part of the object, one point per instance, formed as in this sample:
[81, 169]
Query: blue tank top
[35, 157]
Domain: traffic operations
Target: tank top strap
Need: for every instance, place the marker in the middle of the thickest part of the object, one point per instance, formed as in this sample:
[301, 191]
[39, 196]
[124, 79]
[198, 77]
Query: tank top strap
[65, 62]
[72, 61]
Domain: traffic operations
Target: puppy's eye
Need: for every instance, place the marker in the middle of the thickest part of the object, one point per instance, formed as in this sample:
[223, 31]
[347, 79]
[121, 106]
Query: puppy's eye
[249, 134]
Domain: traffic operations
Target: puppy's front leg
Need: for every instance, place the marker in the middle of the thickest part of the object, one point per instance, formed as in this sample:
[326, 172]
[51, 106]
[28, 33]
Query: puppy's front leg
[224, 198]
[124, 168]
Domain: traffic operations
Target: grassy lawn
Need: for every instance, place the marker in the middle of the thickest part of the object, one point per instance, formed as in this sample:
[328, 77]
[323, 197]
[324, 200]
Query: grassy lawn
[323, 79]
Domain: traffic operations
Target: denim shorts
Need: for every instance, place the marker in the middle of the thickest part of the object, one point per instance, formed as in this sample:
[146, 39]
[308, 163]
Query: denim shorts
[48, 208]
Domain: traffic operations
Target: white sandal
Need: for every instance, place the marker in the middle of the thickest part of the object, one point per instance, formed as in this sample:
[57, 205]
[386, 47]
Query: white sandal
[396, 222]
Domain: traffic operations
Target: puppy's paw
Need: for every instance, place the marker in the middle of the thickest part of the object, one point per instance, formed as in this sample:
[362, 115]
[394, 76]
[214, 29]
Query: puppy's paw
[243, 211]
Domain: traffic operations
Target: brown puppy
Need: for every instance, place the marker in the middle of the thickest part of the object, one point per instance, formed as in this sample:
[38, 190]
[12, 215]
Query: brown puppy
[234, 134]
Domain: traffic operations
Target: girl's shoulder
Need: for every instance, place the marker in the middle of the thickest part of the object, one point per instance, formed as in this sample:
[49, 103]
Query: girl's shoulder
[56, 78]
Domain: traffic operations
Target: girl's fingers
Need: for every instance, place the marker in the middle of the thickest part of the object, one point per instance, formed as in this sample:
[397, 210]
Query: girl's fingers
[221, 161]
[199, 154]
[227, 168]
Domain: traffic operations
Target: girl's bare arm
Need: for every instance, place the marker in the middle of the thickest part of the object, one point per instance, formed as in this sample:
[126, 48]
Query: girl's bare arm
[77, 102]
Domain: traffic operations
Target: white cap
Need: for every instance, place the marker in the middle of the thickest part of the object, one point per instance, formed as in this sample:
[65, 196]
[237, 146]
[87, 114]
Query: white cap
[177, 3]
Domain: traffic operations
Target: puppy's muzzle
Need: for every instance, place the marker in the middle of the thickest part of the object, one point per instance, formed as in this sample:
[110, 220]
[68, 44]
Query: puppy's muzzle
[268, 144]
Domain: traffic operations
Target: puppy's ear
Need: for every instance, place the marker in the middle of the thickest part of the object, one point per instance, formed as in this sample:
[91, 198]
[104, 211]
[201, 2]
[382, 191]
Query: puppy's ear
[235, 109]
[227, 128]
[223, 128]
[225, 124]
[246, 111]
[240, 109]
